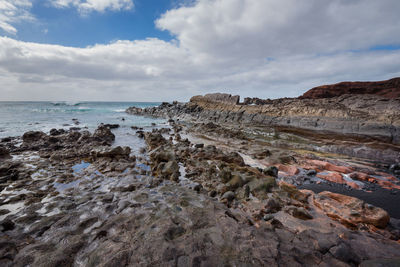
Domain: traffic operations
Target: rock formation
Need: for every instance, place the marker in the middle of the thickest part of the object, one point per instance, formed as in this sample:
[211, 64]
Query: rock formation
[388, 89]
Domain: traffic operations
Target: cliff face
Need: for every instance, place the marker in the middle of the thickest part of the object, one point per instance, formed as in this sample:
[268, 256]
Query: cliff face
[388, 89]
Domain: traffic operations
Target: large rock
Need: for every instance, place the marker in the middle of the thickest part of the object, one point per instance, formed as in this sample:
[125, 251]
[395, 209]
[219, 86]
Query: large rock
[4, 153]
[351, 211]
[217, 97]
[33, 136]
[103, 134]
[389, 89]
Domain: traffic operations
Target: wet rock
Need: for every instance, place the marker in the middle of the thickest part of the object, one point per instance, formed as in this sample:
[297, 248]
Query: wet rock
[7, 225]
[311, 172]
[272, 171]
[103, 135]
[333, 177]
[154, 140]
[4, 153]
[350, 211]
[33, 136]
[197, 187]
[158, 156]
[55, 132]
[116, 152]
[170, 170]
[212, 193]
[199, 145]
[112, 126]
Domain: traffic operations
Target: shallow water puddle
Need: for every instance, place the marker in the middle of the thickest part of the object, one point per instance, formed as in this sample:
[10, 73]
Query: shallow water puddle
[78, 168]
[62, 187]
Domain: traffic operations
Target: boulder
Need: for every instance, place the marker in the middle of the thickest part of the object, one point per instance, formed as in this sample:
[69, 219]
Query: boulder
[103, 134]
[33, 136]
[350, 211]
[154, 140]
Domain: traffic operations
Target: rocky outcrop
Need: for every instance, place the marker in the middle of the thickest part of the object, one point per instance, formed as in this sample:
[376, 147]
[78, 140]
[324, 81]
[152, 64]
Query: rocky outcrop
[217, 97]
[366, 117]
[388, 89]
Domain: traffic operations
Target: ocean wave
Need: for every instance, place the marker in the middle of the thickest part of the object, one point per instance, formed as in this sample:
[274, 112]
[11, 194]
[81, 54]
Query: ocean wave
[66, 103]
[119, 110]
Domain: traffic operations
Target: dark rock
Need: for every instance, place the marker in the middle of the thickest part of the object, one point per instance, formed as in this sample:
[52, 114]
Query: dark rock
[174, 232]
[33, 136]
[104, 135]
[7, 225]
[273, 206]
[212, 193]
[4, 153]
[272, 171]
[197, 187]
[381, 263]
[112, 126]
[311, 172]
[229, 196]
[344, 253]
[199, 145]
[116, 152]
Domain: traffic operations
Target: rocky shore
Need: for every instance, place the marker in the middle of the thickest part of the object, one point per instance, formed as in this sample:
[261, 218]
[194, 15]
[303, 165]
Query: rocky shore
[219, 186]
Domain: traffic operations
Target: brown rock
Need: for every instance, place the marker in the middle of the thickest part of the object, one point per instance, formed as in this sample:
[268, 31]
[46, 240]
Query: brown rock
[388, 89]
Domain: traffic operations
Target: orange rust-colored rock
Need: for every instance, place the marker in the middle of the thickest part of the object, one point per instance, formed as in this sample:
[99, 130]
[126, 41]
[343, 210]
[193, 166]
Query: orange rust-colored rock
[334, 177]
[350, 211]
[288, 169]
[323, 165]
[360, 176]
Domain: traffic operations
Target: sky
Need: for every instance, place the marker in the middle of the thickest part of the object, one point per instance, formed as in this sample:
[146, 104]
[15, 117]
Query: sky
[164, 50]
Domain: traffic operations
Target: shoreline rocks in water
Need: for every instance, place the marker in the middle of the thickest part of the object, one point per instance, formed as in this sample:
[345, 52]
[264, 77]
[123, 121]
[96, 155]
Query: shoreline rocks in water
[200, 193]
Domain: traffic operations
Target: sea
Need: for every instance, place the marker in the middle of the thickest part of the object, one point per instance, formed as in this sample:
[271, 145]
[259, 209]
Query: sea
[16, 118]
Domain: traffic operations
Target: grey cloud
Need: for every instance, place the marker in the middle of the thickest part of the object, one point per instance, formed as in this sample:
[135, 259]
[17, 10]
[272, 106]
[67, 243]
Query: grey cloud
[253, 48]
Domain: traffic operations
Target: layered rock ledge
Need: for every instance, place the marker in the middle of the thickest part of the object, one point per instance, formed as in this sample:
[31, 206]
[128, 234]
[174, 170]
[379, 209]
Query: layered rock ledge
[368, 117]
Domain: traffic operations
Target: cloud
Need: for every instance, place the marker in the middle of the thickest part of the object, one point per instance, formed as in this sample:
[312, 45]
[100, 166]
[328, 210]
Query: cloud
[14, 11]
[253, 48]
[87, 6]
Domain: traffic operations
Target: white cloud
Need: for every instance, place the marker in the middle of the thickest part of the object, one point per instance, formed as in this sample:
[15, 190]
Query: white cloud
[252, 48]
[14, 11]
[86, 6]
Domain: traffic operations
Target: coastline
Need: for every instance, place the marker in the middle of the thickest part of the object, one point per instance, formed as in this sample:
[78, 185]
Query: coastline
[196, 192]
